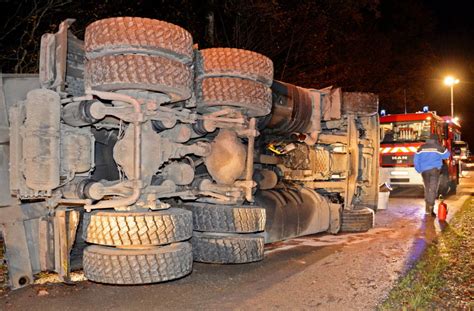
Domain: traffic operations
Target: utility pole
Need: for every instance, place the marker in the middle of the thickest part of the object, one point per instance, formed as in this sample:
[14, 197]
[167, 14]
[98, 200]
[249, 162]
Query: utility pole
[405, 95]
[452, 100]
[451, 81]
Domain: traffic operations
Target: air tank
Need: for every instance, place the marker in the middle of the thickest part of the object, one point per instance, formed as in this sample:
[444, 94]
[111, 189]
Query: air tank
[41, 140]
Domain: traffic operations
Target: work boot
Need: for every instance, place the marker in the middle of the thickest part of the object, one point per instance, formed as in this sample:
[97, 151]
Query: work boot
[428, 209]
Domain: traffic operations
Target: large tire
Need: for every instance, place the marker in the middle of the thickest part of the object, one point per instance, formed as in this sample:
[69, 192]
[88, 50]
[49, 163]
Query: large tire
[453, 185]
[227, 248]
[132, 71]
[126, 35]
[357, 220]
[234, 63]
[137, 266]
[138, 228]
[253, 98]
[221, 218]
[445, 185]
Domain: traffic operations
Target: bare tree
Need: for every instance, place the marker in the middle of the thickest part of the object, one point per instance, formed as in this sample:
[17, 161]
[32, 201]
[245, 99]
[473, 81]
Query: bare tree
[28, 18]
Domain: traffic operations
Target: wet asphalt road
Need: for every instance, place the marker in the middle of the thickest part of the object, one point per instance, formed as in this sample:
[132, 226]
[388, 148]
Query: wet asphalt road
[325, 272]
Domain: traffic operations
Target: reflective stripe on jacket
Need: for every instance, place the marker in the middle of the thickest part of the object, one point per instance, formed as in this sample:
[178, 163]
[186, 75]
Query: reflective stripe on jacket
[430, 155]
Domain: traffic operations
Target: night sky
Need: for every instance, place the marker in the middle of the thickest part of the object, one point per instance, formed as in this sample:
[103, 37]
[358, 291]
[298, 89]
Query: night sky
[453, 43]
[399, 49]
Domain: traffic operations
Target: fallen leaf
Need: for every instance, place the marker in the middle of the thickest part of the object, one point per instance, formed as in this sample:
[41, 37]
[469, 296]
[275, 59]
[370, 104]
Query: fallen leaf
[42, 292]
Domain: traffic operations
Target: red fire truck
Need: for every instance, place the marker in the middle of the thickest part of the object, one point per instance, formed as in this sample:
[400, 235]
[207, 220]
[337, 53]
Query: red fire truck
[402, 134]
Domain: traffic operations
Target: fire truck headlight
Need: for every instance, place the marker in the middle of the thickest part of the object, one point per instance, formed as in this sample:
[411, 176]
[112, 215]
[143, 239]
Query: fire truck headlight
[399, 173]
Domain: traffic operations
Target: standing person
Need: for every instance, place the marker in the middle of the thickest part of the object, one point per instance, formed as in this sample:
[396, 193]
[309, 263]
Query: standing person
[428, 161]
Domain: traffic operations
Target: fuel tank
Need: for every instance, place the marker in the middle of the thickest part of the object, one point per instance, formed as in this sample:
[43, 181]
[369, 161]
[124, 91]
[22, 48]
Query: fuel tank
[294, 212]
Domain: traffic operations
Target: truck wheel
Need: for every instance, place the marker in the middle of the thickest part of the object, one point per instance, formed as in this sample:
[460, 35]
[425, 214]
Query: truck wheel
[447, 187]
[126, 35]
[453, 187]
[254, 98]
[221, 218]
[245, 64]
[132, 71]
[138, 228]
[137, 266]
[444, 184]
[357, 220]
[227, 248]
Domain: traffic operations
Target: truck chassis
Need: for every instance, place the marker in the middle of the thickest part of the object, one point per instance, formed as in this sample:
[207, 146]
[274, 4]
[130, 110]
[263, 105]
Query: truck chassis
[133, 153]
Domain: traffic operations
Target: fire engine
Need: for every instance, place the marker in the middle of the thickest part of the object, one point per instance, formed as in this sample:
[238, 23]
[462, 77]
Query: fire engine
[400, 137]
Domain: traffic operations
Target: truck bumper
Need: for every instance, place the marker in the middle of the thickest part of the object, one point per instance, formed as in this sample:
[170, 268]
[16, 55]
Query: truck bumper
[400, 176]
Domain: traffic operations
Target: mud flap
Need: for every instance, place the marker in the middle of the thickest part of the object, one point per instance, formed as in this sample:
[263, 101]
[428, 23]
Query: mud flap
[65, 228]
[335, 211]
[35, 242]
[18, 261]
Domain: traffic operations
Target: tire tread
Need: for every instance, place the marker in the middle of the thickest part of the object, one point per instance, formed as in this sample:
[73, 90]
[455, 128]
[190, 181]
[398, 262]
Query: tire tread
[148, 228]
[132, 71]
[220, 218]
[234, 63]
[227, 248]
[357, 220]
[253, 97]
[135, 34]
[119, 266]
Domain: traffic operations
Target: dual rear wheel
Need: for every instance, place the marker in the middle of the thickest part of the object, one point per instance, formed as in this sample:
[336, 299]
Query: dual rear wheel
[143, 56]
[234, 78]
[227, 234]
[137, 247]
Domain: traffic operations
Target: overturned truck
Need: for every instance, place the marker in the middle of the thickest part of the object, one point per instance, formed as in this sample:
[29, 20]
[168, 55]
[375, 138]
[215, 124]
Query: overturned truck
[133, 154]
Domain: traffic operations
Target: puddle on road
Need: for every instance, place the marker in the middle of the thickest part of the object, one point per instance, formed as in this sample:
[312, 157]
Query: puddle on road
[425, 229]
[424, 237]
[328, 240]
[429, 228]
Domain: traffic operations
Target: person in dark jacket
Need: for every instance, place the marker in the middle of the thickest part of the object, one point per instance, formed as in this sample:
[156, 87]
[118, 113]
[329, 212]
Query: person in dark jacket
[428, 161]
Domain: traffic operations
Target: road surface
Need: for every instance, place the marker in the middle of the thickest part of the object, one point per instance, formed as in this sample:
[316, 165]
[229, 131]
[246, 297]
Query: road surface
[326, 272]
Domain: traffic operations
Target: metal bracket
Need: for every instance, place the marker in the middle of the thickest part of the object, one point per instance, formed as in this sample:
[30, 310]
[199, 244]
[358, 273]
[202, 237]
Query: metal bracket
[352, 162]
[65, 227]
[53, 58]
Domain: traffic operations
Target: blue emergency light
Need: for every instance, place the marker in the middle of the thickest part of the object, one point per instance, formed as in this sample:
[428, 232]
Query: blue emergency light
[383, 112]
[426, 108]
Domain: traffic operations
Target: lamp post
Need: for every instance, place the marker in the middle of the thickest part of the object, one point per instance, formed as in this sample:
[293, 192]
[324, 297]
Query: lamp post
[451, 81]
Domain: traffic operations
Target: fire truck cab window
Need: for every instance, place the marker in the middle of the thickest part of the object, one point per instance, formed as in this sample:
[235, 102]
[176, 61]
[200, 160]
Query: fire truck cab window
[405, 131]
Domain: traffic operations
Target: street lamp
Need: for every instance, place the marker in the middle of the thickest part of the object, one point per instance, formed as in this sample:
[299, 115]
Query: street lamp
[451, 81]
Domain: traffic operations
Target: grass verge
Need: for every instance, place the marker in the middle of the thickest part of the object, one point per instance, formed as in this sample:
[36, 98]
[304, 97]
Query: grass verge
[444, 276]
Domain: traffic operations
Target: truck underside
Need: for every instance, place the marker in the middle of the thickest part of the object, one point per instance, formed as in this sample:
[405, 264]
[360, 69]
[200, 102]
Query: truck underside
[133, 154]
